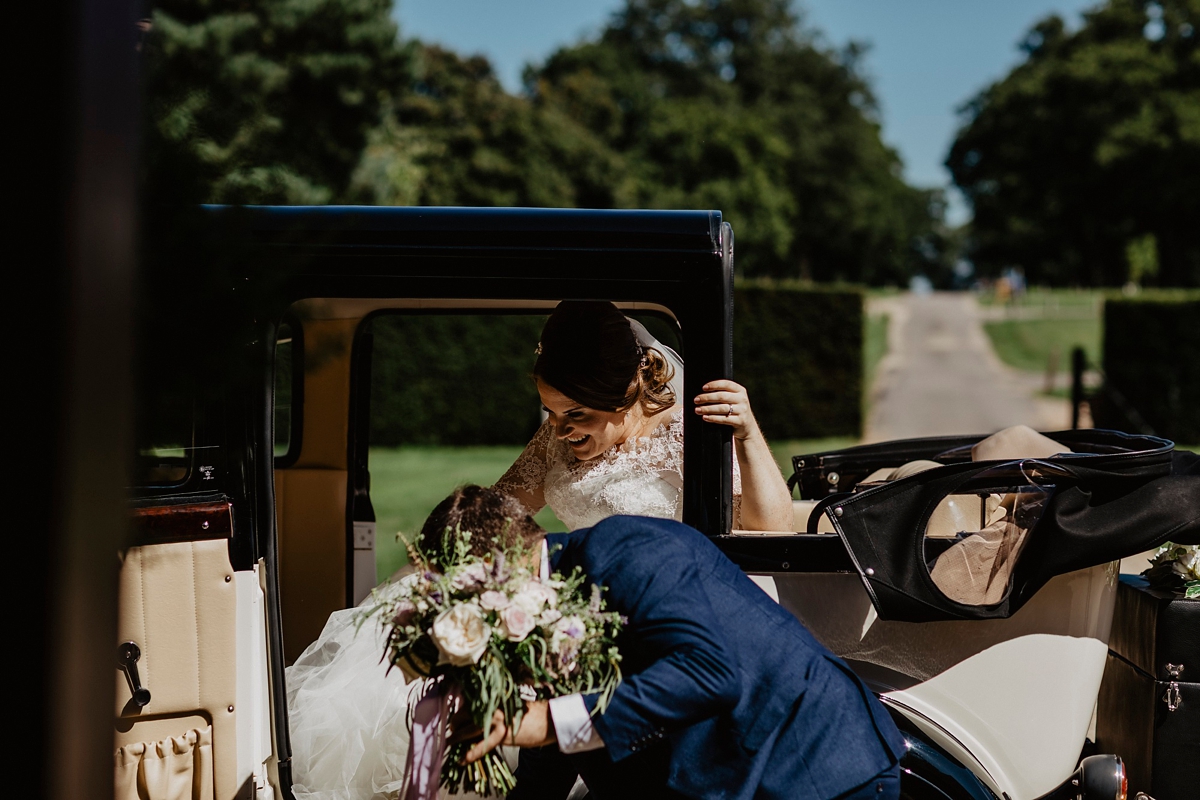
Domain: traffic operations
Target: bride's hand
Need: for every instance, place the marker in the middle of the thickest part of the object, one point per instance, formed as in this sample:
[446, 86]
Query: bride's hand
[726, 403]
[535, 731]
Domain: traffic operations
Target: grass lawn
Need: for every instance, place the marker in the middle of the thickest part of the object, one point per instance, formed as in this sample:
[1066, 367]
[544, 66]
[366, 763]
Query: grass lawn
[1027, 343]
[1044, 321]
[407, 482]
[1039, 297]
[875, 345]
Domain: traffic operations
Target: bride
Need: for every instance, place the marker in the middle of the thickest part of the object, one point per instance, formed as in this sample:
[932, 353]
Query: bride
[612, 443]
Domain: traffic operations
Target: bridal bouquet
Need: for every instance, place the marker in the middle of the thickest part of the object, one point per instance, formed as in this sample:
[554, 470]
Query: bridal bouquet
[492, 636]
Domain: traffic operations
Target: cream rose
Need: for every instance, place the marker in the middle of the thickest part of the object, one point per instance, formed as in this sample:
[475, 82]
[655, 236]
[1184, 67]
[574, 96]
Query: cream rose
[534, 596]
[461, 635]
[539, 589]
[516, 623]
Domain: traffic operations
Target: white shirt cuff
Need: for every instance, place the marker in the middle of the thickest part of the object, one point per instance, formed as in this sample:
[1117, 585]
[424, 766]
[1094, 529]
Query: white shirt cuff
[573, 725]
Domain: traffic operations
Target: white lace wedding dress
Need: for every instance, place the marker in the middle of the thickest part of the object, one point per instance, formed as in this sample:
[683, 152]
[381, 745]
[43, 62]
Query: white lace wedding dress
[642, 476]
[348, 716]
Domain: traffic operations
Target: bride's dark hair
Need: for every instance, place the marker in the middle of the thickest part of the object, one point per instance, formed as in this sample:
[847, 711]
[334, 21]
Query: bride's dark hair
[589, 353]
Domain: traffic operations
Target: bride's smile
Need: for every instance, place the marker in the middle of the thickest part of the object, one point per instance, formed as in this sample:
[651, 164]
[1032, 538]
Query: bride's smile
[590, 432]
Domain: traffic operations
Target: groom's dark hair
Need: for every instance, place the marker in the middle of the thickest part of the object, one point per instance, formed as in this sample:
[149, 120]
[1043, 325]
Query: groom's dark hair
[496, 521]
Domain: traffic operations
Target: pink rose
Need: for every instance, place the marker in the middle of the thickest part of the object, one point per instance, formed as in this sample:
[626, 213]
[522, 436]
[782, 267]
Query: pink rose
[516, 623]
[471, 578]
[491, 600]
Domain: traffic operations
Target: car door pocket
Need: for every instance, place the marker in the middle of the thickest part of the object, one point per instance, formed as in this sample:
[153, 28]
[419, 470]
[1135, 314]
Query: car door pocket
[174, 768]
[178, 606]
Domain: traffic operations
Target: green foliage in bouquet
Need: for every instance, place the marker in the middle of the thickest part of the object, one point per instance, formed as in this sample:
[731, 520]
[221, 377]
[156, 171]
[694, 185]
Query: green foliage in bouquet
[489, 626]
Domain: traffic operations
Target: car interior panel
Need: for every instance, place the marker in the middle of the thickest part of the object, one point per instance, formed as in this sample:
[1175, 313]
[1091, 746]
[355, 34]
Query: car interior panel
[310, 493]
[178, 607]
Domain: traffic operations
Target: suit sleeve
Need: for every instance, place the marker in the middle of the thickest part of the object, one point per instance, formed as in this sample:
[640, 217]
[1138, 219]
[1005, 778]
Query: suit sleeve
[653, 578]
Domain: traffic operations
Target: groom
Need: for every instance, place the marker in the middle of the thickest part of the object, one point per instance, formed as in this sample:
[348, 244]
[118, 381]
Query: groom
[725, 694]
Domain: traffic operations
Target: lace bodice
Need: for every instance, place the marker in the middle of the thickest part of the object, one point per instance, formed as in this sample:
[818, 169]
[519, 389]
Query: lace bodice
[642, 476]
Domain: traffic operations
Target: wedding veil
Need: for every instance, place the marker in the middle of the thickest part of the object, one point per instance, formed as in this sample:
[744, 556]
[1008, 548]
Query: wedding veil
[645, 339]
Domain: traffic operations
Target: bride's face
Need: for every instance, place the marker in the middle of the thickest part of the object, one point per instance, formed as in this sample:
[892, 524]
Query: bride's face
[587, 431]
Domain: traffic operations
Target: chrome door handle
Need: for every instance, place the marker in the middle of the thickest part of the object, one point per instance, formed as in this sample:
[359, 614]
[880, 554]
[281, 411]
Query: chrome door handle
[128, 654]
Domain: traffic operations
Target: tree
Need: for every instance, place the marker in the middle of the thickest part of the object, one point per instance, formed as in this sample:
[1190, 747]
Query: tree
[453, 136]
[728, 104]
[245, 101]
[675, 104]
[734, 104]
[1084, 156]
[261, 101]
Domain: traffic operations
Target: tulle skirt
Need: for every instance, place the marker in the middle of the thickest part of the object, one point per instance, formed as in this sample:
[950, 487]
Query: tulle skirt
[348, 714]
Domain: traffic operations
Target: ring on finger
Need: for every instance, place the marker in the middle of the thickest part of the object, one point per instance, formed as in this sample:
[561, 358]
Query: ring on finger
[728, 409]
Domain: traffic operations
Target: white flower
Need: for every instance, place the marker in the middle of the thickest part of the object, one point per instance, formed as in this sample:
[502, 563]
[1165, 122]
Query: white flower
[535, 595]
[1187, 563]
[549, 617]
[570, 628]
[545, 590]
[492, 600]
[516, 623]
[461, 635]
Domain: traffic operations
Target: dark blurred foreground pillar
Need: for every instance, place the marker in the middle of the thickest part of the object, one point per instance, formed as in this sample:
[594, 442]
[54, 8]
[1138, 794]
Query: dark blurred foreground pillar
[70, 224]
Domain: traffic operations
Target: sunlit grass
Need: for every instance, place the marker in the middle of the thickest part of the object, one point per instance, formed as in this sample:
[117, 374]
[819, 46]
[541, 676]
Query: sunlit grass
[1029, 343]
[1045, 325]
[1037, 297]
[407, 482]
[875, 345]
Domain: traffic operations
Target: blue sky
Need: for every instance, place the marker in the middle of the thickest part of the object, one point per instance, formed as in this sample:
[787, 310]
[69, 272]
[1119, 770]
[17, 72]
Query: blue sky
[927, 57]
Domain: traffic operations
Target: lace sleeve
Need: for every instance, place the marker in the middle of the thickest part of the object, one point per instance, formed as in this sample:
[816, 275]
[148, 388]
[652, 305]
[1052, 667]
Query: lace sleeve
[526, 478]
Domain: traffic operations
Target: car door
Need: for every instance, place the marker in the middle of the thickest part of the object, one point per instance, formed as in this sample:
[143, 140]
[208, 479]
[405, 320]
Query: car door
[193, 696]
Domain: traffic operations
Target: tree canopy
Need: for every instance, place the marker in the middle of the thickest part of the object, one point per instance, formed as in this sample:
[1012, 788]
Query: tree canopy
[729, 104]
[1081, 163]
[264, 101]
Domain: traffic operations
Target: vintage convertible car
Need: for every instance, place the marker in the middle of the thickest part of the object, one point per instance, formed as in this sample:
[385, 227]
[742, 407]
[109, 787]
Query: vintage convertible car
[253, 516]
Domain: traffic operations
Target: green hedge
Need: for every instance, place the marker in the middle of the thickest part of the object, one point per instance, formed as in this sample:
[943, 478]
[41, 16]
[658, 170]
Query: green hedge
[465, 379]
[799, 352]
[454, 379]
[1152, 361]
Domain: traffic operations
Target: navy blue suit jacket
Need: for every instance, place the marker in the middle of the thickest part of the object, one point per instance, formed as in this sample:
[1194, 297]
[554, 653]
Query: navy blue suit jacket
[725, 694]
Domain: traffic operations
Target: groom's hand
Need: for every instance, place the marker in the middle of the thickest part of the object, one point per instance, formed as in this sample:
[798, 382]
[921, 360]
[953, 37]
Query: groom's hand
[536, 731]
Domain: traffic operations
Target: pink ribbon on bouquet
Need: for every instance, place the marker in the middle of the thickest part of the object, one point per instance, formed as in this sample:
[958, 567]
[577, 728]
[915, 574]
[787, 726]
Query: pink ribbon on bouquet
[430, 718]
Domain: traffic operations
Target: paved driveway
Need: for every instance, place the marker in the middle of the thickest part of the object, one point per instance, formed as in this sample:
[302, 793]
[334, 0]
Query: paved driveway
[941, 376]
